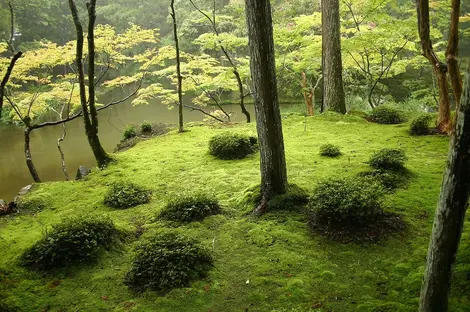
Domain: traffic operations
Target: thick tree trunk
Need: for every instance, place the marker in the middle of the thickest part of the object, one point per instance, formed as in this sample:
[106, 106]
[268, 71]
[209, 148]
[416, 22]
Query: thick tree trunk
[178, 68]
[440, 69]
[268, 116]
[452, 52]
[333, 89]
[29, 159]
[450, 213]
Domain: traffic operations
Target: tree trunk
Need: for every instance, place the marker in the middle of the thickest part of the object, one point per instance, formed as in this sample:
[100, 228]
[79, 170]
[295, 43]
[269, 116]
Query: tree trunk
[308, 96]
[6, 77]
[178, 68]
[242, 95]
[452, 52]
[62, 156]
[268, 116]
[450, 213]
[333, 89]
[440, 69]
[29, 159]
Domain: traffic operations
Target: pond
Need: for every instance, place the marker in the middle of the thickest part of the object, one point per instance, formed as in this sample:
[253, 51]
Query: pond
[14, 173]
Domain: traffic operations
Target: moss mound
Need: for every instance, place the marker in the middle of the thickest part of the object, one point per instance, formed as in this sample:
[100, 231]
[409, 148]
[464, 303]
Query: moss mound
[330, 150]
[387, 115]
[166, 261]
[389, 179]
[421, 125]
[388, 159]
[190, 207]
[229, 146]
[294, 199]
[74, 240]
[122, 195]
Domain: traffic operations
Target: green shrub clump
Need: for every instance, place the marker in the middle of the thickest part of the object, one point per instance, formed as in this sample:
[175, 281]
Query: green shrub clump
[421, 125]
[168, 260]
[295, 198]
[388, 159]
[387, 115]
[349, 202]
[124, 195]
[232, 145]
[74, 240]
[146, 127]
[330, 150]
[130, 132]
[188, 208]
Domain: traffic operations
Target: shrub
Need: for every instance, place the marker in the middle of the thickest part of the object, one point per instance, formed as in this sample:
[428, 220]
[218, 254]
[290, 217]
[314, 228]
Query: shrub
[389, 179]
[387, 115]
[146, 127]
[346, 202]
[189, 208]
[130, 131]
[294, 198]
[330, 150]
[124, 195]
[421, 125]
[232, 145]
[167, 260]
[127, 144]
[77, 239]
[388, 159]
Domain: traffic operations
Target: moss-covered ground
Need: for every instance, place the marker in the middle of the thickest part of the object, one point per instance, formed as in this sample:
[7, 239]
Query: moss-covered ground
[268, 263]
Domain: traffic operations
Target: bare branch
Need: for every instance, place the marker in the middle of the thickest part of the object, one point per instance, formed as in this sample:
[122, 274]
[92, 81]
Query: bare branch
[7, 77]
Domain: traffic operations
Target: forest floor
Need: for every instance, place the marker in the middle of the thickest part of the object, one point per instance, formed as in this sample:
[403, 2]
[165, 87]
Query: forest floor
[268, 263]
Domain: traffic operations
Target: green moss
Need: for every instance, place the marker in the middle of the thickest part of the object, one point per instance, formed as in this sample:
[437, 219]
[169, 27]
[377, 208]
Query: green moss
[294, 199]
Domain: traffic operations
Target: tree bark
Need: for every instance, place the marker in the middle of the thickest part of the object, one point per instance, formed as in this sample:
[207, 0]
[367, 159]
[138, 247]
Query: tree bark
[439, 68]
[333, 89]
[5, 79]
[29, 159]
[450, 213]
[452, 52]
[178, 68]
[308, 96]
[268, 116]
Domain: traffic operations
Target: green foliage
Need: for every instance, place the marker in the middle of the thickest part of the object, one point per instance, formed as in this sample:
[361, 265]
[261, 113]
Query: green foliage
[294, 199]
[387, 115]
[33, 202]
[190, 207]
[232, 145]
[74, 240]
[421, 125]
[127, 144]
[330, 150]
[388, 159]
[146, 127]
[124, 195]
[130, 132]
[389, 179]
[346, 201]
[166, 261]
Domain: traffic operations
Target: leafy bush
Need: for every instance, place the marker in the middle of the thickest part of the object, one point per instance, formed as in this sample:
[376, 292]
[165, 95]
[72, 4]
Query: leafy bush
[146, 127]
[77, 239]
[330, 150]
[232, 145]
[167, 260]
[387, 115]
[124, 195]
[421, 125]
[294, 198]
[346, 202]
[187, 208]
[388, 159]
[130, 131]
[389, 179]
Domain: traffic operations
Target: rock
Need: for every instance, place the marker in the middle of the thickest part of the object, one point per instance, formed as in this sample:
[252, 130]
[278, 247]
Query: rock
[25, 190]
[2, 202]
[82, 172]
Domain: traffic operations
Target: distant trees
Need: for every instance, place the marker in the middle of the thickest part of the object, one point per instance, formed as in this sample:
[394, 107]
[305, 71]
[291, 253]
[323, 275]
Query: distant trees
[450, 213]
[268, 116]
[333, 89]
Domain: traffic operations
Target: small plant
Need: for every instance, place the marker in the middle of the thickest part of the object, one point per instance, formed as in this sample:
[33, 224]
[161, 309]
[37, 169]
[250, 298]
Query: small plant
[188, 208]
[421, 125]
[124, 195]
[387, 115]
[330, 150]
[232, 145]
[146, 127]
[388, 159]
[74, 240]
[130, 132]
[166, 261]
[349, 202]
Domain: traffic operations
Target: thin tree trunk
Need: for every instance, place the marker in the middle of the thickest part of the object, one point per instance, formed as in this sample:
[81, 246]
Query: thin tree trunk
[333, 89]
[6, 77]
[178, 68]
[27, 153]
[241, 92]
[440, 68]
[62, 156]
[308, 96]
[268, 116]
[452, 52]
[450, 213]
